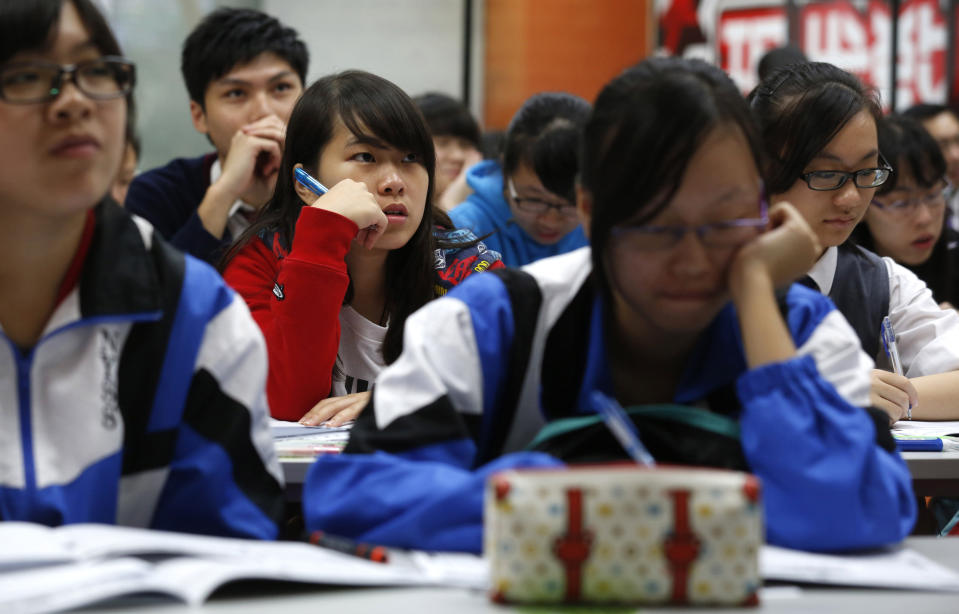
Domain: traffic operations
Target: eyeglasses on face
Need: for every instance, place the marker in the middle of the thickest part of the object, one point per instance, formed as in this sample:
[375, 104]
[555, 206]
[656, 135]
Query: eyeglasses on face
[823, 181]
[536, 206]
[906, 207]
[32, 82]
[726, 234]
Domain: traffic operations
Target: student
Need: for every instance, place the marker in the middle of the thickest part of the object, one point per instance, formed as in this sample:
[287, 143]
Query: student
[131, 378]
[905, 221]
[456, 138]
[943, 125]
[675, 210]
[819, 129]
[330, 291]
[523, 203]
[244, 71]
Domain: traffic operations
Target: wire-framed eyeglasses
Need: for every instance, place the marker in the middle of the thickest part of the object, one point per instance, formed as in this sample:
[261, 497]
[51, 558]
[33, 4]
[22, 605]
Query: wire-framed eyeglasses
[905, 207]
[725, 234]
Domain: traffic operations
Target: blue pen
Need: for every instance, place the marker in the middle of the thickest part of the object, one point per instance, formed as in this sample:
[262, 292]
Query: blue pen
[622, 427]
[307, 181]
[892, 350]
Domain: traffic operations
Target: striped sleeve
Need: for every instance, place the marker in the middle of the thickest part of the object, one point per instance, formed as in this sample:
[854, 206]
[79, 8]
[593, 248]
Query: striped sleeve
[224, 477]
[837, 488]
[413, 472]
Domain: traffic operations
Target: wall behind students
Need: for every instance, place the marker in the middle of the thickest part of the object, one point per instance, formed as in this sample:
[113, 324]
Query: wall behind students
[575, 46]
[418, 44]
[151, 33]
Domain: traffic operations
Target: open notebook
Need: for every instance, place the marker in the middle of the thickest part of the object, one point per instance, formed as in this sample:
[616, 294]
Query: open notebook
[46, 570]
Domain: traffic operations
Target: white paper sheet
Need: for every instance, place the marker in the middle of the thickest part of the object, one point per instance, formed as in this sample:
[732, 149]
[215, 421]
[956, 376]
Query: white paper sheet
[931, 429]
[895, 568]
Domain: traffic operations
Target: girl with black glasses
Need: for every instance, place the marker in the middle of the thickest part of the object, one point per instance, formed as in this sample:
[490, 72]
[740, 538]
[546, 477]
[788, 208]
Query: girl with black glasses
[818, 125]
[131, 378]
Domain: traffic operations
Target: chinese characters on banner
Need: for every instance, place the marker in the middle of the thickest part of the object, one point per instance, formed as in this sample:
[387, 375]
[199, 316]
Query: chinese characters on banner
[856, 36]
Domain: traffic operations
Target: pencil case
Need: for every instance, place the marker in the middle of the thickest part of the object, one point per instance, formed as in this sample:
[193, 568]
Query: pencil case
[623, 534]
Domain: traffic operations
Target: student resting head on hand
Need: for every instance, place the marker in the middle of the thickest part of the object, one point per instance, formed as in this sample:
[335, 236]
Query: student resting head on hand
[681, 309]
[331, 279]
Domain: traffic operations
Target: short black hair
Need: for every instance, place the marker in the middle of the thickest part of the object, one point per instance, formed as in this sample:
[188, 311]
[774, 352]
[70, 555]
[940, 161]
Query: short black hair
[800, 109]
[777, 58]
[544, 134]
[646, 126]
[926, 110]
[907, 146]
[230, 37]
[447, 116]
[31, 26]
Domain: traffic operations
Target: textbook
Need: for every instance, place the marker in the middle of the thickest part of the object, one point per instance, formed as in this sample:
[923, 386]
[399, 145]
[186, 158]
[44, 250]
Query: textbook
[45, 569]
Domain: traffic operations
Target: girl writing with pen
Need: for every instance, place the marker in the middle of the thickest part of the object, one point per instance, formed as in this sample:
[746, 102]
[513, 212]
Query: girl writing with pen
[673, 311]
[819, 127]
[331, 279]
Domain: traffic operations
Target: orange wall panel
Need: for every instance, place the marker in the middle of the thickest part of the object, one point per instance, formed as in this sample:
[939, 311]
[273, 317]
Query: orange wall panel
[558, 45]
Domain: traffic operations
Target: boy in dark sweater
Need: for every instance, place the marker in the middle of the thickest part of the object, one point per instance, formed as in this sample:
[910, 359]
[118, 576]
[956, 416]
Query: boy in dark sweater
[244, 71]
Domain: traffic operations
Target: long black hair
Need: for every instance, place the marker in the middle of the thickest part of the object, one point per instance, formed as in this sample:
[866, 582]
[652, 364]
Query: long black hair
[645, 127]
[367, 105]
[911, 151]
[800, 109]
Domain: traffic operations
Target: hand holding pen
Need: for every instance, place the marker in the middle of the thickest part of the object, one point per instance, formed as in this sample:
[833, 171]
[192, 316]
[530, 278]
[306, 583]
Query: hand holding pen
[892, 392]
[352, 200]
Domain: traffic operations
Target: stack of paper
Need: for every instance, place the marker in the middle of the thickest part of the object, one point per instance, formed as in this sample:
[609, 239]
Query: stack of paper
[294, 439]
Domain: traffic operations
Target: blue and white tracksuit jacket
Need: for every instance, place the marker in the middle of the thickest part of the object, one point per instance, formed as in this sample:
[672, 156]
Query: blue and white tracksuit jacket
[143, 403]
[476, 382]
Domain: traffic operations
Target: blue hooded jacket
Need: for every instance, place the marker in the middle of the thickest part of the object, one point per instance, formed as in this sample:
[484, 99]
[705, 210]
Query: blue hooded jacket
[486, 211]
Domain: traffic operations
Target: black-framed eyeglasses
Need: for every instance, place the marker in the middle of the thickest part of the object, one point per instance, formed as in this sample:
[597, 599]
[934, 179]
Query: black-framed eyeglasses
[100, 79]
[906, 207]
[536, 206]
[726, 234]
[823, 181]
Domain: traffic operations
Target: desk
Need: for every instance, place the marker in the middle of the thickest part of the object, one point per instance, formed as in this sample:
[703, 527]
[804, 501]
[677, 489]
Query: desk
[419, 600]
[934, 473]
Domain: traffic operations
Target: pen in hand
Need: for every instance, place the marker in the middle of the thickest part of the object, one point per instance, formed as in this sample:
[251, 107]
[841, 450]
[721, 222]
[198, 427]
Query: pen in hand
[310, 183]
[622, 427]
[892, 350]
[307, 181]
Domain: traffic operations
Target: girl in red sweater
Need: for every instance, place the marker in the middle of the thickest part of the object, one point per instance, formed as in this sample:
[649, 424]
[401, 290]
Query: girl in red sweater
[331, 279]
